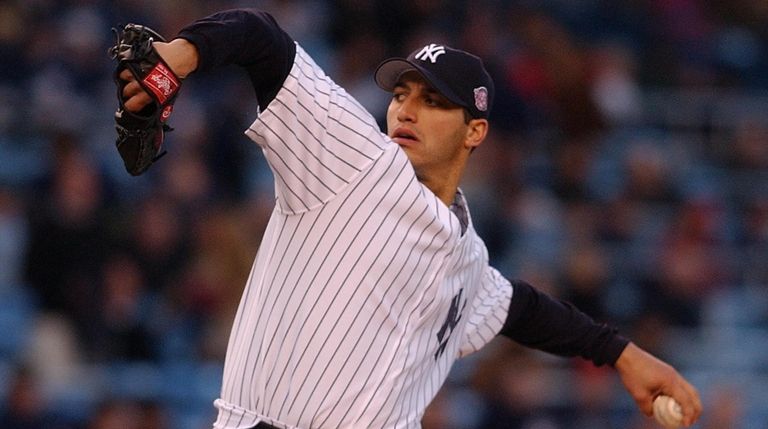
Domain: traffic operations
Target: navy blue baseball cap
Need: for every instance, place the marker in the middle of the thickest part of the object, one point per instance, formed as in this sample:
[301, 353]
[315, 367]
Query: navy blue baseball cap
[458, 75]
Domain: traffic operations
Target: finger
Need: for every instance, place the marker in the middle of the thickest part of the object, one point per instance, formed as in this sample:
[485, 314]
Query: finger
[126, 75]
[644, 403]
[690, 405]
[137, 102]
[646, 406]
[694, 407]
[131, 89]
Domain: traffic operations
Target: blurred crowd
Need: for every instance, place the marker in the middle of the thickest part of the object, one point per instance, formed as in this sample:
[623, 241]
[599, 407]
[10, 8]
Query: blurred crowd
[626, 171]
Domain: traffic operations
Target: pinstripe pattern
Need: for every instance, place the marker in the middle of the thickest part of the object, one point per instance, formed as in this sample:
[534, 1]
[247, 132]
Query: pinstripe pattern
[361, 267]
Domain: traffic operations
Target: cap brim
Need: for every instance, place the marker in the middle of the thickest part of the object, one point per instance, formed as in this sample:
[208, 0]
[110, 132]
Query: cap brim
[389, 72]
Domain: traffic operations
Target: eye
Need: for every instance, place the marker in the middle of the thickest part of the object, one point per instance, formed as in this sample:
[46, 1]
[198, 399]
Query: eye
[432, 102]
[398, 96]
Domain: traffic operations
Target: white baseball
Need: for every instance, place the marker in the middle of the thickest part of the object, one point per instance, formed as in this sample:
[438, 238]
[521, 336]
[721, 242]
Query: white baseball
[667, 412]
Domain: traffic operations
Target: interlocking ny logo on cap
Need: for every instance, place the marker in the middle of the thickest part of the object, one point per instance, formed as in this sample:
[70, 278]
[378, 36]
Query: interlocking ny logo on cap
[430, 52]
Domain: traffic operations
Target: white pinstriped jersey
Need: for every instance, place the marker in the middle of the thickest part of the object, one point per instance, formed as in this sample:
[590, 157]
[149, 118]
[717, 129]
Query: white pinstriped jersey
[364, 291]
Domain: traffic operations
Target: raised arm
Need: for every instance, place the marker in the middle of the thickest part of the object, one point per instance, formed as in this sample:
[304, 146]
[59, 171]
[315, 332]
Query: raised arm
[248, 38]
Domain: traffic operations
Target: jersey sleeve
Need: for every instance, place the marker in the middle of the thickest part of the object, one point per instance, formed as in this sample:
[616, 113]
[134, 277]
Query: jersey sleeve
[488, 312]
[315, 136]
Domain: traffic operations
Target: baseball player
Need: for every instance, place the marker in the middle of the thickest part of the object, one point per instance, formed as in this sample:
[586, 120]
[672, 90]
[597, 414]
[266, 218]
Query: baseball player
[371, 280]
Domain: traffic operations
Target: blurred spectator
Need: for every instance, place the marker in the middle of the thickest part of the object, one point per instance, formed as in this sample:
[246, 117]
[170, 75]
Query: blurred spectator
[518, 388]
[615, 89]
[13, 239]
[68, 235]
[586, 276]
[357, 56]
[155, 236]
[25, 407]
[187, 180]
[154, 416]
[121, 331]
[129, 414]
[727, 408]
[572, 164]
[681, 43]
[210, 290]
[690, 267]
[552, 76]
[747, 150]
[649, 174]
[116, 415]
[594, 395]
[753, 238]
[54, 356]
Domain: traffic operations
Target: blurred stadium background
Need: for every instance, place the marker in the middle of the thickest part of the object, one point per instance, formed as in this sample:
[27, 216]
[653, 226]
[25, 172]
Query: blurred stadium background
[627, 172]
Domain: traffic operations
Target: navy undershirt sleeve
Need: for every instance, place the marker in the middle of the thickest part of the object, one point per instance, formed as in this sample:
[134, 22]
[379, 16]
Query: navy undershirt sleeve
[539, 321]
[248, 38]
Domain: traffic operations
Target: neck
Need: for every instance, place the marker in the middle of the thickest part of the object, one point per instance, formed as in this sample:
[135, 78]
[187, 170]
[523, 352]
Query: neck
[443, 180]
[447, 195]
[443, 186]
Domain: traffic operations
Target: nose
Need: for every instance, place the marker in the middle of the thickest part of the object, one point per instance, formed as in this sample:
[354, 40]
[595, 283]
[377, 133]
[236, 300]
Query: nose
[406, 111]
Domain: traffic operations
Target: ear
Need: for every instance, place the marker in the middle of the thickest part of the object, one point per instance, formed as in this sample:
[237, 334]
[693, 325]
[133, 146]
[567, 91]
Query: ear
[477, 129]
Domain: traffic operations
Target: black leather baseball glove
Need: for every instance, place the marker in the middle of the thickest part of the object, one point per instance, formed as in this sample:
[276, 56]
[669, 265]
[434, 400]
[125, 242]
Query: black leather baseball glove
[140, 134]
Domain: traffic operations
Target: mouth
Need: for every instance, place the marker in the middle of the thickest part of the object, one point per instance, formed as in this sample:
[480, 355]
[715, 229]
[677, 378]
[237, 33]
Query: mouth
[404, 137]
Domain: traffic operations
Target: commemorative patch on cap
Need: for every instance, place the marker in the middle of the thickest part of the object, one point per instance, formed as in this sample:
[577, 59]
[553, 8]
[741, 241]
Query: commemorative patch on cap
[481, 98]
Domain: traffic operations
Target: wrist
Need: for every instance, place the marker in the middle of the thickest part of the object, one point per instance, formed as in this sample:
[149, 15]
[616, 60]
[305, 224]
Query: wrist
[181, 56]
[624, 362]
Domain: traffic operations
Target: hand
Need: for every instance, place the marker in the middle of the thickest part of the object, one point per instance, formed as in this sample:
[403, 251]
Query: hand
[647, 377]
[180, 55]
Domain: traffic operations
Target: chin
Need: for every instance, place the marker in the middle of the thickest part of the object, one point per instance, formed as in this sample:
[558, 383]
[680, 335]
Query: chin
[415, 164]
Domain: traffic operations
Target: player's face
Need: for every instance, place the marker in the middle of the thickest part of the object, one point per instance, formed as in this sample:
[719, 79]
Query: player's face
[429, 128]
